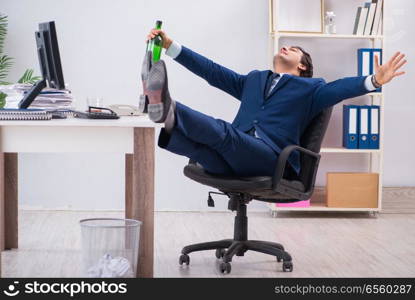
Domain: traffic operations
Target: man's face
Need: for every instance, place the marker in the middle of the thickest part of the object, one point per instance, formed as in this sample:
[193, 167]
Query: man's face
[290, 58]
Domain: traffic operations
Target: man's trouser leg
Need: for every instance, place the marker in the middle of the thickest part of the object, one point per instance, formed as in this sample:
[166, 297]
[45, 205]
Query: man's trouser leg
[211, 160]
[217, 145]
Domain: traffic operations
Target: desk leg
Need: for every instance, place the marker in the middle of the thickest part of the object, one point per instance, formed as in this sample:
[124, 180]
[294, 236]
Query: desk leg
[139, 195]
[11, 200]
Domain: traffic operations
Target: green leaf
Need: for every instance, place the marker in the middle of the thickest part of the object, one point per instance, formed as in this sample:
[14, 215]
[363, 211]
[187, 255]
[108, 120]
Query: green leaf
[3, 31]
[28, 77]
[2, 99]
[6, 63]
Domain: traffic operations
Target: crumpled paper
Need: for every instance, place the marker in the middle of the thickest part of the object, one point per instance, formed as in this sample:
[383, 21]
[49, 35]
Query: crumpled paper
[111, 267]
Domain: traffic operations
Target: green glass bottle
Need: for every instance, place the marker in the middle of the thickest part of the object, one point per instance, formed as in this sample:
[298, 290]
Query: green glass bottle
[156, 44]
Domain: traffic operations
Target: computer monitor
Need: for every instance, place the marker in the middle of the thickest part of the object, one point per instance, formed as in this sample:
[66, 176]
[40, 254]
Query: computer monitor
[49, 61]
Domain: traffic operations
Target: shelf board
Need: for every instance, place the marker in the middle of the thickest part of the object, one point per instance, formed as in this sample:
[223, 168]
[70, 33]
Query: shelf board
[376, 94]
[321, 207]
[345, 150]
[324, 35]
[318, 203]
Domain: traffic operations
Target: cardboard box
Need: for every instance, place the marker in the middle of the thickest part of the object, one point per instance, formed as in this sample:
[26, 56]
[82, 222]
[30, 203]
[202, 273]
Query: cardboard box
[352, 189]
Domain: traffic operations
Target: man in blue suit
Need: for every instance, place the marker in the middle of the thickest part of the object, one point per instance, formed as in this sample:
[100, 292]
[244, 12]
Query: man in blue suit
[275, 108]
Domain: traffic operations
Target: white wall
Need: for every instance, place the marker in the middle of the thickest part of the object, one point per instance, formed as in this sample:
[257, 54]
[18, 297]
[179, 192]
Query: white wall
[102, 44]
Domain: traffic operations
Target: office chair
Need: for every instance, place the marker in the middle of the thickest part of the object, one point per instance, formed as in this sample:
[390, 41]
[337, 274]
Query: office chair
[283, 187]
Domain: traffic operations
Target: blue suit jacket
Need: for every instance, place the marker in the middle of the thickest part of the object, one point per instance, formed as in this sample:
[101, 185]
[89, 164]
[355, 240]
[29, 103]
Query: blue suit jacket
[281, 118]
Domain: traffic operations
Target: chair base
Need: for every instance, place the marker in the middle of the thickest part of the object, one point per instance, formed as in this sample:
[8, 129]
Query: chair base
[227, 249]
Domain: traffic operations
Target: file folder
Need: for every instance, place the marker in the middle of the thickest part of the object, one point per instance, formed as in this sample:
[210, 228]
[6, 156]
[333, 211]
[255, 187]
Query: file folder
[374, 127]
[364, 121]
[350, 126]
[364, 62]
[376, 52]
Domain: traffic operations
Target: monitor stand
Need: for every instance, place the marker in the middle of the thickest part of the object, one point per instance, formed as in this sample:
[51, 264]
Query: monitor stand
[32, 94]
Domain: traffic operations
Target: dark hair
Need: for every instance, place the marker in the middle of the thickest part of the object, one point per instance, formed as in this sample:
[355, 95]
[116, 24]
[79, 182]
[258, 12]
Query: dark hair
[307, 62]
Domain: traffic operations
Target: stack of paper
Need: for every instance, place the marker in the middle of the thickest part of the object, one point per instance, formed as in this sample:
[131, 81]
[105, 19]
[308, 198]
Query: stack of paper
[368, 19]
[49, 99]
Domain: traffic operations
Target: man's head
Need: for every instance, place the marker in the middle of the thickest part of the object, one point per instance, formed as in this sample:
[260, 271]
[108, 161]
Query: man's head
[293, 60]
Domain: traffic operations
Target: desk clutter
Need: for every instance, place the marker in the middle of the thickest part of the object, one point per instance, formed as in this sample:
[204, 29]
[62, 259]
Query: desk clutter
[96, 113]
[55, 104]
[49, 99]
[34, 114]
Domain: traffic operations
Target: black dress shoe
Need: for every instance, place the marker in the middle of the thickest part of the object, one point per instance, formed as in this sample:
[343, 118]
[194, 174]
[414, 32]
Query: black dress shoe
[145, 70]
[158, 92]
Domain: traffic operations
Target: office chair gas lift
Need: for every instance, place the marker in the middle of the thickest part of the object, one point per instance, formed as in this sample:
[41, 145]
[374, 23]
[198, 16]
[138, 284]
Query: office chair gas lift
[283, 187]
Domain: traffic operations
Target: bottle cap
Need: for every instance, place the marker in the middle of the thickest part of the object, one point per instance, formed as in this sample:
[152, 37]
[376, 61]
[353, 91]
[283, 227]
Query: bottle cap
[158, 24]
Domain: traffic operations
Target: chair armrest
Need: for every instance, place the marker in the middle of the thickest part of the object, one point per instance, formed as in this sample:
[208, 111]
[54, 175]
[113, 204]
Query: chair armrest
[282, 161]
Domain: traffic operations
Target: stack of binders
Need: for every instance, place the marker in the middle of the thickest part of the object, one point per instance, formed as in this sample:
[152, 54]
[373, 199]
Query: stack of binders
[366, 61]
[361, 125]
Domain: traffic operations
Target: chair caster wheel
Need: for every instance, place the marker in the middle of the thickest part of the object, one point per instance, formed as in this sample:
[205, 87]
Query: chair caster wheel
[287, 266]
[279, 259]
[220, 252]
[184, 259]
[225, 268]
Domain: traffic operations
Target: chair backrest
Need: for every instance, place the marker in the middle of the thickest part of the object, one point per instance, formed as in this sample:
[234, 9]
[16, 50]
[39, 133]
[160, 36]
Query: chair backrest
[311, 139]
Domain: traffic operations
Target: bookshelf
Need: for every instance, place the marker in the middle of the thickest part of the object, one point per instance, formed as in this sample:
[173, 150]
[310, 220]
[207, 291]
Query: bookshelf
[375, 156]
[324, 35]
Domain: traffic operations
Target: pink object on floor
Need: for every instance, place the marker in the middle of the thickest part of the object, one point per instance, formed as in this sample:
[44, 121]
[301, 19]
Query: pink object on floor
[304, 203]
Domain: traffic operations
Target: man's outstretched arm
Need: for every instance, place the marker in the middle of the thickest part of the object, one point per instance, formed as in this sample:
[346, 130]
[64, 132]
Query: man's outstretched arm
[215, 74]
[329, 94]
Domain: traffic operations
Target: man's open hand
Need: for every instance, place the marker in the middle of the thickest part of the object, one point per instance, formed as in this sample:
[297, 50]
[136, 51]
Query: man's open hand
[386, 72]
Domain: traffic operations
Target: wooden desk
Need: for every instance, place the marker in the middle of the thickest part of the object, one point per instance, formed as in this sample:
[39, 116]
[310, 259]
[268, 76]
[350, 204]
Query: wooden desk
[133, 136]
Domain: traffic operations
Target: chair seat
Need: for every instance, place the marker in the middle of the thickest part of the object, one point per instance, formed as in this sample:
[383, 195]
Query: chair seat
[257, 186]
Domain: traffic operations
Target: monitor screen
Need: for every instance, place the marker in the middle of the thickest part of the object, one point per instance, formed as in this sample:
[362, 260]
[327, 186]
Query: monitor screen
[49, 57]
[50, 63]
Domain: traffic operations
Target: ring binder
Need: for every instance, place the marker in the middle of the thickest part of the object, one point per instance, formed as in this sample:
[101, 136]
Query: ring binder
[11, 114]
[350, 126]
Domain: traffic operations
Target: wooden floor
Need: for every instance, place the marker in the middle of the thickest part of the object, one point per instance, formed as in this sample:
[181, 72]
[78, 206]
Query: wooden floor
[322, 244]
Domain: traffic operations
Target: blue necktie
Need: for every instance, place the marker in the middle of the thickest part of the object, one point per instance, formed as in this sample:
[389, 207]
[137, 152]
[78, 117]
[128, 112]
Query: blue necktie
[269, 83]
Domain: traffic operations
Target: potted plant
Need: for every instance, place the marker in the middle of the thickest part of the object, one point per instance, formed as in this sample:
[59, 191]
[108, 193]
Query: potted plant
[6, 62]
